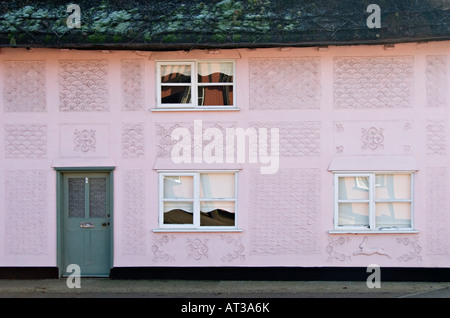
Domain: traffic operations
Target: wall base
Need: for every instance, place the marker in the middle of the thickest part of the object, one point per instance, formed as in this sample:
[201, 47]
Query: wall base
[280, 273]
[246, 273]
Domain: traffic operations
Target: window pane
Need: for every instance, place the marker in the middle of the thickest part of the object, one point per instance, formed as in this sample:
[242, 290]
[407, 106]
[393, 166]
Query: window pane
[393, 215]
[76, 197]
[178, 212]
[389, 186]
[175, 73]
[215, 95]
[97, 197]
[175, 94]
[219, 213]
[353, 188]
[353, 214]
[215, 72]
[178, 187]
[217, 185]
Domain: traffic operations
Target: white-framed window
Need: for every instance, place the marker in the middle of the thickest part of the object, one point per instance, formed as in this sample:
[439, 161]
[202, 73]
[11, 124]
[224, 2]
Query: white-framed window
[198, 200]
[374, 201]
[196, 84]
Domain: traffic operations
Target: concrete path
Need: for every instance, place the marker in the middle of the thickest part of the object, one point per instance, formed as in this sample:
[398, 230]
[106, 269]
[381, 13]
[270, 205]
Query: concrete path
[105, 287]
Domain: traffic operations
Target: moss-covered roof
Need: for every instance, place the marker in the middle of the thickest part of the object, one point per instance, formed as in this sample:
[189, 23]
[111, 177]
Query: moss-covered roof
[175, 24]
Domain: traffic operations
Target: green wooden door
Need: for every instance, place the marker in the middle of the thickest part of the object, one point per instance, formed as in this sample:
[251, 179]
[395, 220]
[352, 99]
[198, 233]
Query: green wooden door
[86, 223]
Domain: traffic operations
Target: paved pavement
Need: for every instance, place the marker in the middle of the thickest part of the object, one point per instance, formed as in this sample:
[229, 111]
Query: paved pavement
[188, 289]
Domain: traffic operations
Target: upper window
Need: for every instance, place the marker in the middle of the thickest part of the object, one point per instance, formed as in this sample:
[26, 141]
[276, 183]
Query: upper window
[374, 201]
[194, 200]
[206, 84]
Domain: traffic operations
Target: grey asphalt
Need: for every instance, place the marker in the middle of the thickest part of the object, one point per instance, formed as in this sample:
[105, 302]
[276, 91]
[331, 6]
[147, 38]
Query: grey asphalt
[191, 289]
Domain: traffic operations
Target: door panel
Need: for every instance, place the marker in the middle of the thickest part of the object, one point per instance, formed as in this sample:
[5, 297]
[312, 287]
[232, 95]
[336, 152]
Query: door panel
[86, 222]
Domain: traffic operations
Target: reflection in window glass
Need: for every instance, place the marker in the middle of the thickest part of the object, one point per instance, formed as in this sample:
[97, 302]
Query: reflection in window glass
[215, 95]
[215, 72]
[175, 73]
[354, 214]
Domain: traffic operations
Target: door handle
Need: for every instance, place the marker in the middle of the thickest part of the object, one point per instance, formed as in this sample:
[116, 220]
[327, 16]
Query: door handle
[105, 223]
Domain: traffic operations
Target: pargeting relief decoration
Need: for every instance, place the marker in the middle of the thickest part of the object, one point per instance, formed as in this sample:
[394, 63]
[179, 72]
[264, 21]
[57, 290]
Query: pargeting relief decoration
[134, 241]
[383, 137]
[235, 250]
[412, 244]
[338, 249]
[24, 86]
[364, 249]
[158, 249]
[436, 137]
[132, 85]
[133, 140]
[294, 193]
[83, 85]
[164, 134]
[334, 246]
[26, 225]
[372, 138]
[437, 208]
[84, 140]
[284, 83]
[197, 249]
[437, 75]
[27, 141]
[297, 138]
[373, 82]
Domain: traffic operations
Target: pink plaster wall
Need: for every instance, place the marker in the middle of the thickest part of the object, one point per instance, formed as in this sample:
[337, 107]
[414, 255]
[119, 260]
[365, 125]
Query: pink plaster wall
[322, 102]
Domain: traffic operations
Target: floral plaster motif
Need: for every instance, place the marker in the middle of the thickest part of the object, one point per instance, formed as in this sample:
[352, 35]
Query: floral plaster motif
[197, 249]
[237, 249]
[159, 255]
[372, 138]
[414, 249]
[84, 140]
[333, 247]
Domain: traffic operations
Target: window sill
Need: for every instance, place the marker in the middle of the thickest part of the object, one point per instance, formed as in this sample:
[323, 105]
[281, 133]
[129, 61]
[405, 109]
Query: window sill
[187, 230]
[198, 109]
[412, 231]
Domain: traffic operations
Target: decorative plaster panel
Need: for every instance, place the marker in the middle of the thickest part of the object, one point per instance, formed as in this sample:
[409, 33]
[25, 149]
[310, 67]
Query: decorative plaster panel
[80, 141]
[437, 74]
[133, 140]
[26, 141]
[436, 140]
[24, 86]
[284, 212]
[373, 82]
[132, 84]
[373, 137]
[285, 83]
[300, 138]
[83, 85]
[133, 212]
[26, 205]
[164, 134]
[437, 211]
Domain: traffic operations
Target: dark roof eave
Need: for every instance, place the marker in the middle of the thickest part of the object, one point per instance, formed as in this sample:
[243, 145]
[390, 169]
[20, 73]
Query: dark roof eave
[192, 46]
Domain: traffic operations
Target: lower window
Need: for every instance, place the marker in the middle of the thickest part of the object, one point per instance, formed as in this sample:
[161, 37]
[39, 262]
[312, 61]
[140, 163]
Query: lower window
[373, 201]
[197, 200]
